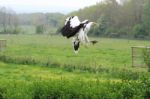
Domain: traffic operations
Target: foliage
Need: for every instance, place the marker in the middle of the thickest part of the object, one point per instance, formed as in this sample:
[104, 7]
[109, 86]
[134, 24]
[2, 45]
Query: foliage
[147, 16]
[8, 21]
[49, 21]
[70, 89]
[101, 29]
[40, 29]
[128, 19]
[146, 56]
[139, 31]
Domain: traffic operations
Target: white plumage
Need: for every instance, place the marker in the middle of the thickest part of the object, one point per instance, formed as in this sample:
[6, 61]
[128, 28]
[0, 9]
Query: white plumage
[74, 28]
[74, 22]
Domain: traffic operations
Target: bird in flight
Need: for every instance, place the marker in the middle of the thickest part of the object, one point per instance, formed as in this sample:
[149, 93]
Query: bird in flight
[78, 30]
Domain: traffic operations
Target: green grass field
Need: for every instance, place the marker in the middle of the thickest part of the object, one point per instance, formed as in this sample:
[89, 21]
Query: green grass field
[45, 67]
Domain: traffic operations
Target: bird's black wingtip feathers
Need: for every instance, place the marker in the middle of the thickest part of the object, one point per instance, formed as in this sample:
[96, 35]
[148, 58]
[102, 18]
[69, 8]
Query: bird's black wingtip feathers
[69, 31]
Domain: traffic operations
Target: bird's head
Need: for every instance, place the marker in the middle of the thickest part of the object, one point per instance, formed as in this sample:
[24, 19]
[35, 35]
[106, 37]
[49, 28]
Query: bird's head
[87, 22]
[94, 23]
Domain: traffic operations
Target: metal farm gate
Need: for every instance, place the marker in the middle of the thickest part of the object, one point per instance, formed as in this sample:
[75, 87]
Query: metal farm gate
[140, 55]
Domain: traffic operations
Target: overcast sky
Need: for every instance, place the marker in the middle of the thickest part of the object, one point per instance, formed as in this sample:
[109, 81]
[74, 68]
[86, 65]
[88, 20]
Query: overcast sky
[63, 6]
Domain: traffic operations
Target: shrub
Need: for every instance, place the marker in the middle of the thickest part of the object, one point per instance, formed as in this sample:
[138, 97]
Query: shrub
[40, 29]
[145, 82]
[139, 31]
[16, 30]
[75, 89]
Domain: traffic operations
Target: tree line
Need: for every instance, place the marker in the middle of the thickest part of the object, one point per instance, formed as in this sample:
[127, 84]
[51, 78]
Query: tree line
[126, 19]
[44, 23]
[13, 23]
[8, 21]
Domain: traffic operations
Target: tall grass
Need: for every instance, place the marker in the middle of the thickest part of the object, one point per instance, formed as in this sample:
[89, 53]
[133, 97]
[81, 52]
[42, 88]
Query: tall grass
[45, 67]
[74, 89]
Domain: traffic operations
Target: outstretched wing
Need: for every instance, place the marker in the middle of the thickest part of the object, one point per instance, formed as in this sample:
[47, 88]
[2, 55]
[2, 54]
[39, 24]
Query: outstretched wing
[74, 22]
[71, 27]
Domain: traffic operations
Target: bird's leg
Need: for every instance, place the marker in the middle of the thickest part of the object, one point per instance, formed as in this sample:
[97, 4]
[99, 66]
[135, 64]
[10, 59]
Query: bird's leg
[87, 39]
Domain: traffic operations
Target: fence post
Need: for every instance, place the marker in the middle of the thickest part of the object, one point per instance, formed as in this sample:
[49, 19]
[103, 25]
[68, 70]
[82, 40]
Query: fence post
[132, 48]
[2, 44]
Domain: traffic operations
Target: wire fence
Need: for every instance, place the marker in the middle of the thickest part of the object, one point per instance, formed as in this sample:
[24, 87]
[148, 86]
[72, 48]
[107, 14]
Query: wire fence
[2, 45]
[138, 56]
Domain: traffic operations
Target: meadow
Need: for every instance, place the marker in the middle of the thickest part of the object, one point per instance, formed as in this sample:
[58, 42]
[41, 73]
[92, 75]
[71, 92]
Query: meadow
[45, 67]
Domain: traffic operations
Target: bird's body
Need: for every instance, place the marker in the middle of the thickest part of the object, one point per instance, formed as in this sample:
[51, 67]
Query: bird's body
[74, 28]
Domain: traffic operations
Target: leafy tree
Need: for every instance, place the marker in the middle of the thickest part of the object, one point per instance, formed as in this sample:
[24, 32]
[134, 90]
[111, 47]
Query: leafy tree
[101, 29]
[123, 19]
[139, 31]
[103, 26]
[147, 16]
[40, 29]
[8, 21]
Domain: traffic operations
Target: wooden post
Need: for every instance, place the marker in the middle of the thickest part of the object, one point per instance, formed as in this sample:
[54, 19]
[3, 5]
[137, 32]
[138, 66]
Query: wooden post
[2, 45]
[132, 48]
